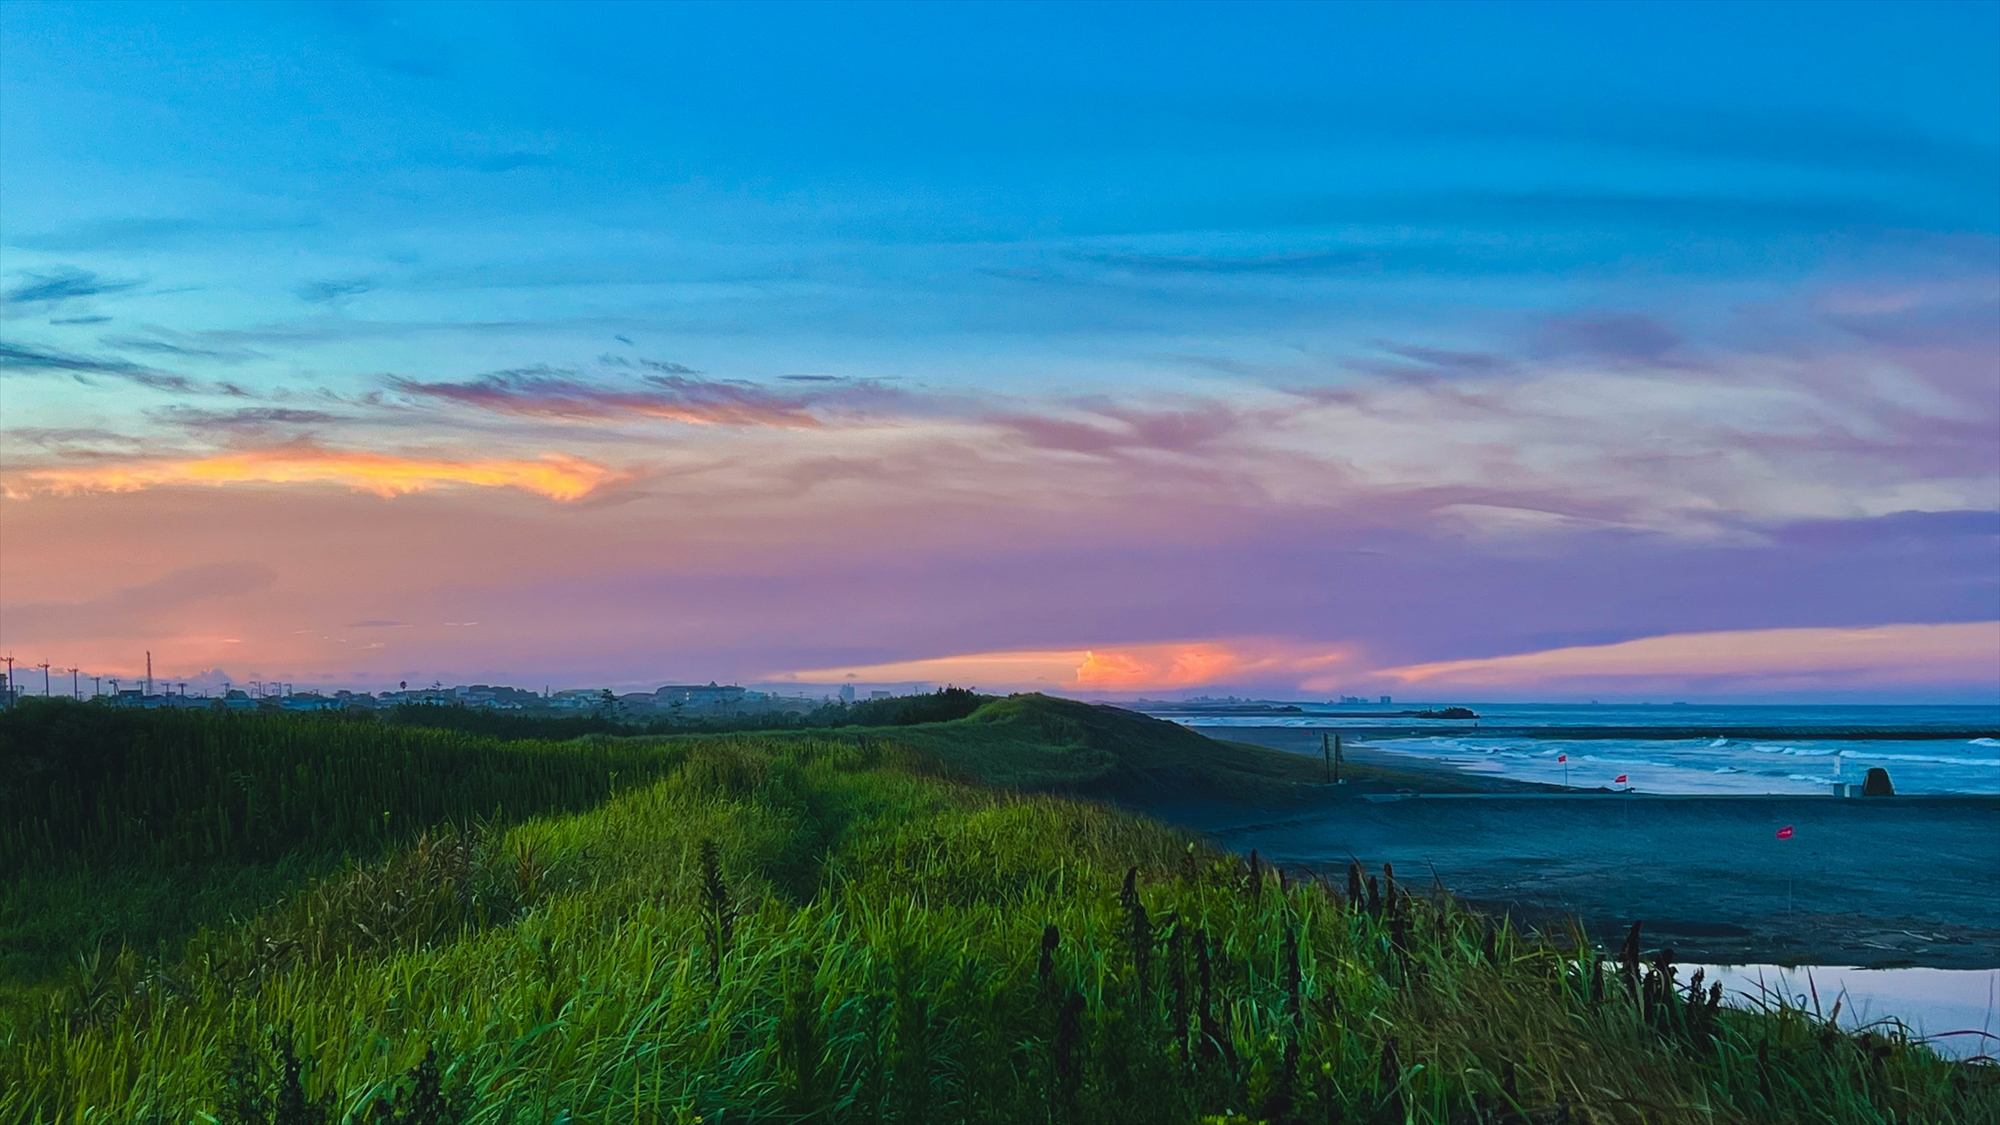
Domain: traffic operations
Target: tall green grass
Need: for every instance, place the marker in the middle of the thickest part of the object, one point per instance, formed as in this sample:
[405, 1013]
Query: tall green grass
[821, 929]
[134, 827]
[102, 785]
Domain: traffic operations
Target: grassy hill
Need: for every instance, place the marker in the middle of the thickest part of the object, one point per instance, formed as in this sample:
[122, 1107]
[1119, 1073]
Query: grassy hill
[833, 927]
[1042, 744]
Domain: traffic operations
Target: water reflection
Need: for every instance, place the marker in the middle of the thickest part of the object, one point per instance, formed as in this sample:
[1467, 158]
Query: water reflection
[1956, 1011]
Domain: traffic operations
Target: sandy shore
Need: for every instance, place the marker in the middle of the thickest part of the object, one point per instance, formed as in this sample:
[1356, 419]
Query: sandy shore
[1898, 881]
[1380, 770]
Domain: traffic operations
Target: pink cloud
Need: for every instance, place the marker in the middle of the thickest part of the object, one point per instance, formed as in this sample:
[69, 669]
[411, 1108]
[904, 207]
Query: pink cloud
[1962, 653]
[1120, 668]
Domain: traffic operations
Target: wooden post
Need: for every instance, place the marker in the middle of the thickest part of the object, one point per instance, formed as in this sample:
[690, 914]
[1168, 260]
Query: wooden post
[1327, 752]
[1336, 759]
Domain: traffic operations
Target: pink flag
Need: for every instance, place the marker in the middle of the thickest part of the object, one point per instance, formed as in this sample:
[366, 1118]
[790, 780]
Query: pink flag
[1785, 833]
[1562, 757]
[1619, 780]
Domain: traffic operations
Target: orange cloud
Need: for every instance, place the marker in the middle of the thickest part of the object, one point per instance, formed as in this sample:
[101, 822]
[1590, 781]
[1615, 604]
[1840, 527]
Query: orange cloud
[1145, 667]
[1967, 652]
[555, 475]
[1160, 666]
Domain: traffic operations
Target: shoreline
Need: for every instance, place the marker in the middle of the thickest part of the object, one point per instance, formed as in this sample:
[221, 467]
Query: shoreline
[1865, 882]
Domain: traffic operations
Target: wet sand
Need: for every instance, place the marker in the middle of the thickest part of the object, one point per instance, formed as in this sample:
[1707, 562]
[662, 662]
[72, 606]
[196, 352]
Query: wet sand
[1863, 881]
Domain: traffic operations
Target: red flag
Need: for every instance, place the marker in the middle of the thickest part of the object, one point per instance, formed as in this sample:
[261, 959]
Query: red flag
[1562, 757]
[1619, 780]
[1785, 833]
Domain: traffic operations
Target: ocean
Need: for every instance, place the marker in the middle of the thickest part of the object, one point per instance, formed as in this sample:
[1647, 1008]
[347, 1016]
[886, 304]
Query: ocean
[1662, 748]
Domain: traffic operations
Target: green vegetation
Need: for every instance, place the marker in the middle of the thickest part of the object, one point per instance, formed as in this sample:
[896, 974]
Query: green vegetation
[832, 926]
[134, 827]
[940, 706]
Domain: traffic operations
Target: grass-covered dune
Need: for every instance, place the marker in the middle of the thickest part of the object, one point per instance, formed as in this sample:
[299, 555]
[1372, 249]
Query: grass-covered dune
[837, 927]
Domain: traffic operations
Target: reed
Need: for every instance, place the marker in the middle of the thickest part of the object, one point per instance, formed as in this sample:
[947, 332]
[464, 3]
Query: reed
[803, 928]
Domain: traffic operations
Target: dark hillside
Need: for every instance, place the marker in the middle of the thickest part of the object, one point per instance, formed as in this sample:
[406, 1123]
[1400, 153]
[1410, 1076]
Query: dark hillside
[1040, 743]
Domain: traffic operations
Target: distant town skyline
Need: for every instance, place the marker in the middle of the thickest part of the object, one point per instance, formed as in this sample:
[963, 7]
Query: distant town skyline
[1447, 351]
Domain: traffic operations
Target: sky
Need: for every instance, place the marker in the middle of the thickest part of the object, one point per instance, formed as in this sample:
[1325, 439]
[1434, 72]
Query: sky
[1457, 352]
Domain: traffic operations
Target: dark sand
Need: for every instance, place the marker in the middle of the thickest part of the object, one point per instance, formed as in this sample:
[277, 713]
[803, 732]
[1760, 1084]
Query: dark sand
[1863, 881]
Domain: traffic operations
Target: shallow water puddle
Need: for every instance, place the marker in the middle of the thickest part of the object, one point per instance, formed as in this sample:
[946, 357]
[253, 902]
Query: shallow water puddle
[1956, 1011]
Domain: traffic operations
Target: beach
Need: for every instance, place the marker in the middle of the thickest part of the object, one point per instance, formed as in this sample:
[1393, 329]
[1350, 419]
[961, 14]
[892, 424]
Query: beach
[1860, 881]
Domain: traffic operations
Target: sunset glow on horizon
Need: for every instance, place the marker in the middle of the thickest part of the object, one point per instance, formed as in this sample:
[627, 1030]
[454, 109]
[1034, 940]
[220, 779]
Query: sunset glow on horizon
[1828, 658]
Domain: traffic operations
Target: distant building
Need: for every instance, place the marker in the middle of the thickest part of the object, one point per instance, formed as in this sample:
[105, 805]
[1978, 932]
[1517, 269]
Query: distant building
[881, 695]
[576, 699]
[847, 693]
[420, 696]
[1386, 699]
[696, 695]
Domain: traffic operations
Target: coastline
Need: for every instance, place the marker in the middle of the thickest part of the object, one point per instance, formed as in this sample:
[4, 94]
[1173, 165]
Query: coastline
[1865, 882]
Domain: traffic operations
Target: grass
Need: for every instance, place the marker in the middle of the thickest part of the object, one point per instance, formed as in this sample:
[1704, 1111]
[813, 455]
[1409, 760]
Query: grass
[132, 827]
[844, 927]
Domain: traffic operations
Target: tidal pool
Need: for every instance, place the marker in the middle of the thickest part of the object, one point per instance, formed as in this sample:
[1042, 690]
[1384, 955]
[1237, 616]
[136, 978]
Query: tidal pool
[1956, 1011]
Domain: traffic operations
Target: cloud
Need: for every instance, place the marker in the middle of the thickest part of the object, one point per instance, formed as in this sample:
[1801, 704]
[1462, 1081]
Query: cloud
[378, 624]
[110, 234]
[249, 418]
[546, 392]
[323, 292]
[1156, 666]
[1964, 653]
[556, 476]
[159, 344]
[63, 284]
[1283, 265]
[1622, 336]
[116, 613]
[1454, 362]
[1111, 429]
[23, 358]
[668, 367]
[1878, 656]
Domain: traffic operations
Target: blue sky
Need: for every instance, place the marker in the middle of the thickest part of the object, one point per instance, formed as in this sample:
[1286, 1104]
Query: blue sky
[848, 302]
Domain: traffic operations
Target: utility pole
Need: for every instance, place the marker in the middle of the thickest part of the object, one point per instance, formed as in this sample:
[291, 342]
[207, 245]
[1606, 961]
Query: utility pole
[75, 691]
[96, 686]
[44, 666]
[149, 671]
[9, 658]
